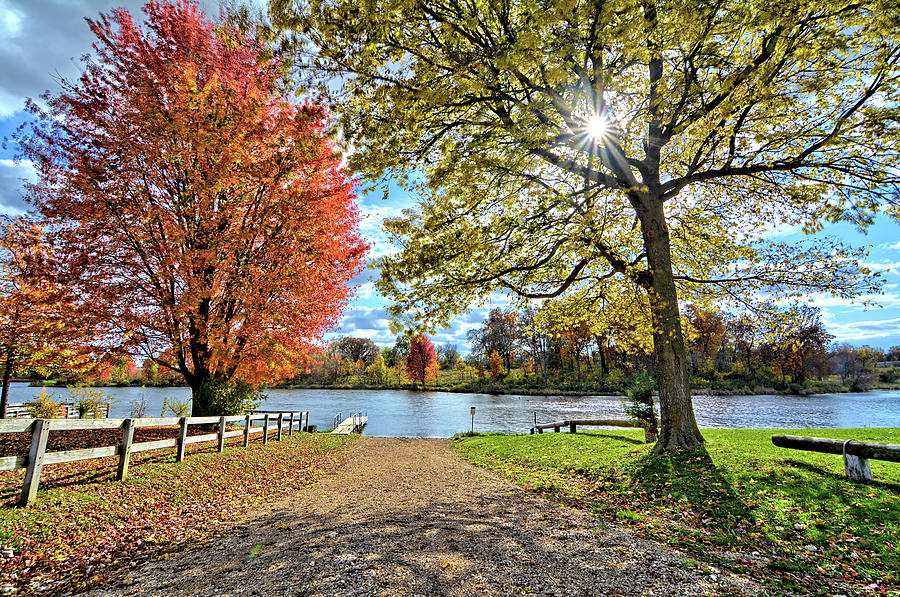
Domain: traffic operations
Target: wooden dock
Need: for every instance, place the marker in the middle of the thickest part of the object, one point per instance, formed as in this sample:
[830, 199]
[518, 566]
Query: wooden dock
[353, 424]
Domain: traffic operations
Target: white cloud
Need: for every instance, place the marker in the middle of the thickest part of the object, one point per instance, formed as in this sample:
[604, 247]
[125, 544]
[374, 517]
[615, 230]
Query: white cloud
[366, 291]
[365, 322]
[11, 192]
[41, 41]
[887, 300]
[371, 227]
[373, 323]
[10, 21]
[890, 267]
[774, 231]
[862, 332]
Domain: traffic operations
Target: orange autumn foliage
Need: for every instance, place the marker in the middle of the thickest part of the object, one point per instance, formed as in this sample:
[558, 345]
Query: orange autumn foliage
[207, 212]
[42, 322]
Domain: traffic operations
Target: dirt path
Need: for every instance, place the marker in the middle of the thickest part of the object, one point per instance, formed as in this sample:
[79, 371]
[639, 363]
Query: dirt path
[407, 517]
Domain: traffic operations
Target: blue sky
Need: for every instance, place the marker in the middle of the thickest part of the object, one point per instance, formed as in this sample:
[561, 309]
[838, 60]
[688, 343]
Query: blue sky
[41, 40]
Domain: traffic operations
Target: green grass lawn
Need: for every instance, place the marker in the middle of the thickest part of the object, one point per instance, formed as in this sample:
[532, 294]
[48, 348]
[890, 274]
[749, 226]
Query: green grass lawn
[788, 518]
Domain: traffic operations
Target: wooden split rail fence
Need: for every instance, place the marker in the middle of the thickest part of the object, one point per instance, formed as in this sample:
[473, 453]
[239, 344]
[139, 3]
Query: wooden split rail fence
[40, 429]
[67, 410]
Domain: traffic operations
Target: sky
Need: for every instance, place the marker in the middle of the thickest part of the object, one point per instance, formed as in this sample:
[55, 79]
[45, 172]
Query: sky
[41, 41]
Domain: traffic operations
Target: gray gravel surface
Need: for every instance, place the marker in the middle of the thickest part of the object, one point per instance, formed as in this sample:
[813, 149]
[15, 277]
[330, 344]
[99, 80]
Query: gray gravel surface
[408, 517]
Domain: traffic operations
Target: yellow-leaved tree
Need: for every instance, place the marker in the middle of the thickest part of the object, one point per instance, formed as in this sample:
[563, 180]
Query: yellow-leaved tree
[560, 144]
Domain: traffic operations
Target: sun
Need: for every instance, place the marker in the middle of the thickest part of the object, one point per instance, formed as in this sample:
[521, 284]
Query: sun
[597, 126]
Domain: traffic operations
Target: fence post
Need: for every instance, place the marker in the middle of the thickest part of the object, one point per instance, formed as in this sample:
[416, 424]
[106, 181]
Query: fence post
[182, 439]
[35, 461]
[221, 433]
[125, 449]
[307, 421]
[291, 426]
[247, 431]
[280, 423]
[265, 429]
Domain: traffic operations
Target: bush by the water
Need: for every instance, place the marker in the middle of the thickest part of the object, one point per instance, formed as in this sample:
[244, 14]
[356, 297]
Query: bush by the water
[91, 403]
[44, 406]
[641, 405]
[178, 408]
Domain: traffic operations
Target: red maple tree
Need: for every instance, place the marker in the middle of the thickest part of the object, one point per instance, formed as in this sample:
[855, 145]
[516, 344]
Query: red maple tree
[207, 213]
[421, 364]
[41, 321]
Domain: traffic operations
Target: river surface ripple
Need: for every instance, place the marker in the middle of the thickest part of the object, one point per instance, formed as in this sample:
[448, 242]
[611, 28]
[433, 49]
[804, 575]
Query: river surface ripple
[400, 413]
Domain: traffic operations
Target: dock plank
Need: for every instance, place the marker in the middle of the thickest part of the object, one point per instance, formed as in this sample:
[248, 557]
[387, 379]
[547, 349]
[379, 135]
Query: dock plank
[351, 425]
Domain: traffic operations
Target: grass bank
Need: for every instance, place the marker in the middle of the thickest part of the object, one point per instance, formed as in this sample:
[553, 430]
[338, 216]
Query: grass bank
[85, 527]
[789, 519]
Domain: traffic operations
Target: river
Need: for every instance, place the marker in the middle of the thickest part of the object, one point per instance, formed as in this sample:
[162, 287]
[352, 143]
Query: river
[398, 413]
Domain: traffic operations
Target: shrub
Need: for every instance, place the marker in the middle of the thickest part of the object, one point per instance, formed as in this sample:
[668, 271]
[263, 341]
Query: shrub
[44, 406]
[641, 405]
[889, 375]
[139, 408]
[230, 397]
[90, 402]
[858, 384]
[794, 388]
[178, 408]
[615, 379]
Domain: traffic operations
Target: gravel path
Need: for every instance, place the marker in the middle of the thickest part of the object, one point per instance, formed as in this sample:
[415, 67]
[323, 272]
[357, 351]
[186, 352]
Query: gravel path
[408, 517]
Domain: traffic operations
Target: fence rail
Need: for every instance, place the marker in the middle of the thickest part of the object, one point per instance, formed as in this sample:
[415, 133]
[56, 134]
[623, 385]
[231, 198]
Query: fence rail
[67, 410]
[40, 429]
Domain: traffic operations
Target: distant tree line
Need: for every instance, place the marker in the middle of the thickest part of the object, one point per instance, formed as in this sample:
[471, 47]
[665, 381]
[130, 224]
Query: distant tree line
[784, 350]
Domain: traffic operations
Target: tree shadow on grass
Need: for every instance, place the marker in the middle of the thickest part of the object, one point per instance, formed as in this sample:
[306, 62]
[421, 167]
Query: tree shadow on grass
[839, 477]
[690, 479]
[88, 472]
[616, 436]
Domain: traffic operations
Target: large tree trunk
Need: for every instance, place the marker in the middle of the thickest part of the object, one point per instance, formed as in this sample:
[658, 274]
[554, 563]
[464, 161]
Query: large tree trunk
[678, 424]
[604, 366]
[4, 394]
[203, 392]
[201, 397]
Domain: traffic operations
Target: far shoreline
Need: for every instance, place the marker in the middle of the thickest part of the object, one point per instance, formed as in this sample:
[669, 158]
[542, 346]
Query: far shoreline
[493, 390]
[497, 391]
